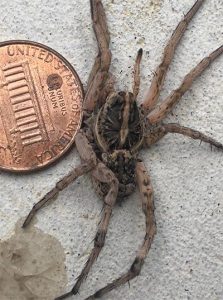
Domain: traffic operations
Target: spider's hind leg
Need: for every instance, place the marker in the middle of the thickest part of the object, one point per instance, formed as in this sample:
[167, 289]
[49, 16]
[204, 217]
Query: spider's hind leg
[89, 161]
[146, 193]
[104, 175]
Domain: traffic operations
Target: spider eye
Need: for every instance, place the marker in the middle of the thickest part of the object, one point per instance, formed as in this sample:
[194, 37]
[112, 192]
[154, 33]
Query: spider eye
[104, 157]
[121, 94]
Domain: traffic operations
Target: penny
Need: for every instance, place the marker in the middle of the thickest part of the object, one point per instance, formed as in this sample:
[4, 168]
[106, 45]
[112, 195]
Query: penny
[40, 105]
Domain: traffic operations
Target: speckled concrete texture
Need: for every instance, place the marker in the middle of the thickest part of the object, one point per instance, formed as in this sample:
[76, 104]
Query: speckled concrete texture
[186, 259]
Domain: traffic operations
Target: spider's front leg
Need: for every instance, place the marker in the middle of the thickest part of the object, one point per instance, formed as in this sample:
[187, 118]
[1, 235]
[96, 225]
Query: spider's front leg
[89, 161]
[104, 175]
[146, 193]
[100, 82]
[160, 112]
[160, 73]
[161, 130]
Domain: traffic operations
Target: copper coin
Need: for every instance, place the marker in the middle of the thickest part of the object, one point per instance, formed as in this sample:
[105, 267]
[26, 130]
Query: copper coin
[40, 105]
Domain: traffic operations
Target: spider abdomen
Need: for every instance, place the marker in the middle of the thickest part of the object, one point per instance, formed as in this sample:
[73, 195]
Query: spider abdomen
[122, 163]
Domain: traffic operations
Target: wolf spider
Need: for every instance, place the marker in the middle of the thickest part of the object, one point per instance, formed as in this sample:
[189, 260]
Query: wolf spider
[113, 131]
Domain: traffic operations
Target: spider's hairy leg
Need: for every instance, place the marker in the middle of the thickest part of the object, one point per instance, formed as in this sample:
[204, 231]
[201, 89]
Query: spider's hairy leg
[155, 134]
[99, 75]
[159, 113]
[104, 175]
[160, 73]
[161, 130]
[89, 161]
[136, 82]
[146, 193]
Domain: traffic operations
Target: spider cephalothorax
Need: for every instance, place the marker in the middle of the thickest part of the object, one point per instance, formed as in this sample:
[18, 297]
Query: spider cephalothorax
[114, 129]
[119, 124]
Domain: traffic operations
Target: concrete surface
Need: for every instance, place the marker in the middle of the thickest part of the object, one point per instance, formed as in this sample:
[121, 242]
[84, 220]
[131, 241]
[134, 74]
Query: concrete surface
[186, 259]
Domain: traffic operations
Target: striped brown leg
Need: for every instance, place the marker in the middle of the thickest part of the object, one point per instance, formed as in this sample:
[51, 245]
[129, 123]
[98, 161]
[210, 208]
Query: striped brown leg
[104, 175]
[136, 83]
[158, 132]
[167, 105]
[160, 73]
[146, 193]
[99, 74]
[89, 161]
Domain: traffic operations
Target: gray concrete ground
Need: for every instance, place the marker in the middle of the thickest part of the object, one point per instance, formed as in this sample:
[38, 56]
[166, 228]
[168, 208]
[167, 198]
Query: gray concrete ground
[186, 259]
